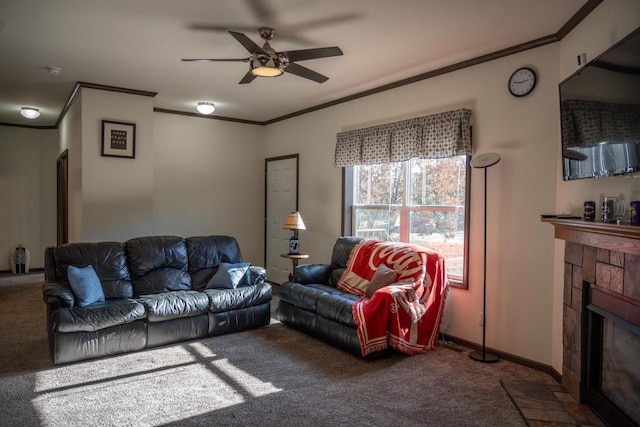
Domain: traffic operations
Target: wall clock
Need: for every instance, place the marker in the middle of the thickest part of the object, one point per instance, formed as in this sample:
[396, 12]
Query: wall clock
[522, 81]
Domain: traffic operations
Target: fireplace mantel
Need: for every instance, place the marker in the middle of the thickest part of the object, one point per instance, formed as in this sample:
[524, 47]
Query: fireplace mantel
[616, 237]
[599, 259]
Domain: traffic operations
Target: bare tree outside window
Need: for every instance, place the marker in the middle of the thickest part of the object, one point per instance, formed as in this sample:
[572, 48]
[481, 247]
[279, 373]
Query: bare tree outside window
[421, 201]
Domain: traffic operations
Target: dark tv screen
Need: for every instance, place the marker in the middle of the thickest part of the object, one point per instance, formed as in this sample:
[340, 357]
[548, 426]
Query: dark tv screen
[600, 114]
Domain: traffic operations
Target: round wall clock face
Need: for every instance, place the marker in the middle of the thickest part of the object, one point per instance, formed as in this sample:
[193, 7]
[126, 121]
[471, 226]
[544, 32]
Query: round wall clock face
[522, 81]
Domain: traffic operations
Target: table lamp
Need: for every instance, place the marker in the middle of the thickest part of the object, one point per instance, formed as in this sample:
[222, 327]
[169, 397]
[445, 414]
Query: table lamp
[294, 222]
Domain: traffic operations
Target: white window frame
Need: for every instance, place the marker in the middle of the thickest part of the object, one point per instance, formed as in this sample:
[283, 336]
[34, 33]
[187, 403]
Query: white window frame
[349, 212]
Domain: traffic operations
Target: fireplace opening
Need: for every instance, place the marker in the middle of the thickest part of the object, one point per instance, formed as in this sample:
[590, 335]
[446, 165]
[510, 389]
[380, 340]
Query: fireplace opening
[611, 374]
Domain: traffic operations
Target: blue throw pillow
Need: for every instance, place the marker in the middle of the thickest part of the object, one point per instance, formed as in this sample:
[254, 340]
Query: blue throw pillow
[85, 285]
[230, 276]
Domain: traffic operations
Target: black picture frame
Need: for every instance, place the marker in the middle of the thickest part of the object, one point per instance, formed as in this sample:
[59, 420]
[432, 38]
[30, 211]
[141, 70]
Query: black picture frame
[294, 246]
[118, 139]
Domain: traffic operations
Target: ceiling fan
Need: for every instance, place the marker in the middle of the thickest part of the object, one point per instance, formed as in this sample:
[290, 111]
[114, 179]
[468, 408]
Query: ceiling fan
[266, 62]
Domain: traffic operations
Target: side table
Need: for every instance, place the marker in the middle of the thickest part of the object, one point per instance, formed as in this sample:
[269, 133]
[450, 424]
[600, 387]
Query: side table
[295, 258]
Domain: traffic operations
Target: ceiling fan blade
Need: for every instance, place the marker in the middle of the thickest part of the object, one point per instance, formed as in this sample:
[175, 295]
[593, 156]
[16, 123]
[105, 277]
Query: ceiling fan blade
[261, 11]
[221, 27]
[248, 78]
[321, 22]
[247, 43]
[283, 34]
[215, 60]
[304, 54]
[301, 71]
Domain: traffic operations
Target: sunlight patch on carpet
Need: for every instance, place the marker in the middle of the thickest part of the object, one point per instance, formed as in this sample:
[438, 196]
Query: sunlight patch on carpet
[171, 383]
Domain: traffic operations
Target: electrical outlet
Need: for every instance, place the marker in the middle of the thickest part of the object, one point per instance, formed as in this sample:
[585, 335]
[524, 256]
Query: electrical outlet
[481, 319]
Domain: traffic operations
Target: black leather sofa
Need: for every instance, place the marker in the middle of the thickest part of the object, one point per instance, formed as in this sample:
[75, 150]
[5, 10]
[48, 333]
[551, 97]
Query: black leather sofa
[311, 302]
[155, 292]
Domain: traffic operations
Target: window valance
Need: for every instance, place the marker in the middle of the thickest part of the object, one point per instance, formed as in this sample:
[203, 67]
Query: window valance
[589, 123]
[430, 137]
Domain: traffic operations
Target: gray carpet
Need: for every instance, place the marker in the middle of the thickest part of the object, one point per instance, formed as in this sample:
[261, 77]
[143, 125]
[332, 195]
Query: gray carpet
[270, 376]
[23, 324]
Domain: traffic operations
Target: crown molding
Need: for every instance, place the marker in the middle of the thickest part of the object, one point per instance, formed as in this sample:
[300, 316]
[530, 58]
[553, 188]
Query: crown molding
[209, 116]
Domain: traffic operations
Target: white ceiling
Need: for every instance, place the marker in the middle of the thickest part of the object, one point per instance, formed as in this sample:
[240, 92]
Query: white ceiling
[138, 44]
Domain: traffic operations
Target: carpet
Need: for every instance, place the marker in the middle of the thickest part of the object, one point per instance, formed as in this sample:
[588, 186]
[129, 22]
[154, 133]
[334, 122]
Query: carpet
[24, 344]
[272, 376]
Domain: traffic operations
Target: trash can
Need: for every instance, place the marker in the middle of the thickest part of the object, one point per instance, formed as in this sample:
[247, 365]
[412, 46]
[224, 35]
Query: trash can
[20, 260]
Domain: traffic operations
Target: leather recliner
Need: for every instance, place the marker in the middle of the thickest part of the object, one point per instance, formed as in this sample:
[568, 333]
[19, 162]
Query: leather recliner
[311, 302]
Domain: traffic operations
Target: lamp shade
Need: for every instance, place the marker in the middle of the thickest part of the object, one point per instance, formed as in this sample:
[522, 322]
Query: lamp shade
[294, 222]
[485, 160]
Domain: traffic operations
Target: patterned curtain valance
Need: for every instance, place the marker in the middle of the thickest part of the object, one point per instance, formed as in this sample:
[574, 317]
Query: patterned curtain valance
[589, 123]
[430, 137]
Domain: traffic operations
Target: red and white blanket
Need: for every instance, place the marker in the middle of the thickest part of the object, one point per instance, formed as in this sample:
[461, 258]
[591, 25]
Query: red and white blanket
[405, 315]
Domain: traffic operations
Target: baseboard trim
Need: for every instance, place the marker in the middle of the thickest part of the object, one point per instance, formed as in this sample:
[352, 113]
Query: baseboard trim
[547, 369]
[31, 270]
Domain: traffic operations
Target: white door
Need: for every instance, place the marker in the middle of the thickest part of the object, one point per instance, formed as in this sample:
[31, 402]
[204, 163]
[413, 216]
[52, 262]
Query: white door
[281, 199]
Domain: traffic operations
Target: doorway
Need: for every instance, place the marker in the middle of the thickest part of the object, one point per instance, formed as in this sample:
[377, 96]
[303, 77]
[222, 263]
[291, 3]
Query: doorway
[62, 198]
[281, 198]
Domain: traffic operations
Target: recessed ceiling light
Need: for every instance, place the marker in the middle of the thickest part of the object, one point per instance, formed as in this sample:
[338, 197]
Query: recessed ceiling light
[205, 107]
[30, 113]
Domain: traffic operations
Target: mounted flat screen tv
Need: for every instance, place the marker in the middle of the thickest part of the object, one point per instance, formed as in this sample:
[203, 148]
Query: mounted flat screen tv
[600, 114]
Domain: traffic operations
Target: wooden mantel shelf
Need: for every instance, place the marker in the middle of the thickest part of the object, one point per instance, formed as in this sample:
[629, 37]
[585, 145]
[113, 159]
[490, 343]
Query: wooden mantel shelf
[622, 238]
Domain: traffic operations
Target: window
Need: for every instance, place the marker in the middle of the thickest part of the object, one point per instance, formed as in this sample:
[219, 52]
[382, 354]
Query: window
[420, 201]
[408, 181]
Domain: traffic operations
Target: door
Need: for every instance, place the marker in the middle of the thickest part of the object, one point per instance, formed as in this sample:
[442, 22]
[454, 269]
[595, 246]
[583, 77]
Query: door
[62, 198]
[281, 198]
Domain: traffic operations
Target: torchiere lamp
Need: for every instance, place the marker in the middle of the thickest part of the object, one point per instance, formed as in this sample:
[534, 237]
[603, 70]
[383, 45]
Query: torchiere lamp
[294, 222]
[484, 161]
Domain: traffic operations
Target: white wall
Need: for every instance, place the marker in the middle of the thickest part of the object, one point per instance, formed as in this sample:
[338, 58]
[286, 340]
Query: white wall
[48, 193]
[117, 193]
[190, 176]
[607, 24]
[71, 140]
[209, 179]
[27, 192]
[522, 130]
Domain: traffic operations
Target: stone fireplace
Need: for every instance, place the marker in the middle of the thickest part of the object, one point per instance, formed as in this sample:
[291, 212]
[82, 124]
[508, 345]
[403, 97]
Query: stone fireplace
[601, 279]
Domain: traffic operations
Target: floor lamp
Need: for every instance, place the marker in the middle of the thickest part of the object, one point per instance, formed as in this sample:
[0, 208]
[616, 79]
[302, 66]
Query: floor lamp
[484, 161]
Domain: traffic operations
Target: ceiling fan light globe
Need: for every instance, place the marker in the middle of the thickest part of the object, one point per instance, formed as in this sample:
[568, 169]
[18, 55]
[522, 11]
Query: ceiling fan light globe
[262, 66]
[30, 113]
[261, 71]
[205, 107]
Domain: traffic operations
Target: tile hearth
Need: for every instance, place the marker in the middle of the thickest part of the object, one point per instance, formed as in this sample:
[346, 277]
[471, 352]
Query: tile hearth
[548, 405]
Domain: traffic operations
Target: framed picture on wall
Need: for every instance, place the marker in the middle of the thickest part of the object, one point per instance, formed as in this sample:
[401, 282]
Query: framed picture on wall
[118, 139]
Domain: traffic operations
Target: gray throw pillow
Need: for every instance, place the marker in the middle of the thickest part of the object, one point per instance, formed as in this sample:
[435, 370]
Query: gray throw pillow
[384, 276]
[230, 276]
